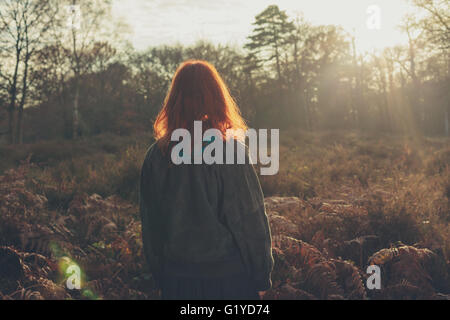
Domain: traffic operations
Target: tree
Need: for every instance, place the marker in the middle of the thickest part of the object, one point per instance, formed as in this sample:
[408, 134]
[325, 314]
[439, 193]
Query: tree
[51, 76]
[301, 69]
[22, 27]
[270, 35]
[86, 20]
[436, 24]
[332, 57]
[384, 106]
[409, 64]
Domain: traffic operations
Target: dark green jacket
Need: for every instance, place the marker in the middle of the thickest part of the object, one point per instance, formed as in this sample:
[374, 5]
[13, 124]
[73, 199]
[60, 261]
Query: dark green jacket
[199, 214]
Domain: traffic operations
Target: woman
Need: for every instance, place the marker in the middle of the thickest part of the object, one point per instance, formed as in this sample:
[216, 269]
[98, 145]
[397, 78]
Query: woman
[205, 231]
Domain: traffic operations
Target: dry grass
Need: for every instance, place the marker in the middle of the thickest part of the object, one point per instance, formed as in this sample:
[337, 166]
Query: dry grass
[353, 187]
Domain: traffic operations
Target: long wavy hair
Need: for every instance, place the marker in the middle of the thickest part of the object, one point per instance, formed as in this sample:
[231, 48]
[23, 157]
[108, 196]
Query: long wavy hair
[197, 92]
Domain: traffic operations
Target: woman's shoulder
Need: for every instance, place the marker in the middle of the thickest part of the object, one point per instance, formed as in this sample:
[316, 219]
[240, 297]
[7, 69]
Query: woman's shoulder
[239, 151]
[153, 153]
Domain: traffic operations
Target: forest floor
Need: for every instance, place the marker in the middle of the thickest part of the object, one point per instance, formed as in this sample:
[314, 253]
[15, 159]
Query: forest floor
[341, 202]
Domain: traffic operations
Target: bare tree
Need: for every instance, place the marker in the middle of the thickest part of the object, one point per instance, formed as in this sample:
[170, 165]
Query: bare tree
[22, 25]
[83, 35]
[78, 26]
[436, 25]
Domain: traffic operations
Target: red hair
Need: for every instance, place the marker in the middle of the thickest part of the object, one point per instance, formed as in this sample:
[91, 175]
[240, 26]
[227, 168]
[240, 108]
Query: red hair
[197, 93]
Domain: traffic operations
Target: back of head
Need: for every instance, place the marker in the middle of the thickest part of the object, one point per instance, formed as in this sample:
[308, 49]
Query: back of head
[197, 93]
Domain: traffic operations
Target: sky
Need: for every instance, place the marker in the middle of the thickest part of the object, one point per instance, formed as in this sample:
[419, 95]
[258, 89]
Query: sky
[155, 22]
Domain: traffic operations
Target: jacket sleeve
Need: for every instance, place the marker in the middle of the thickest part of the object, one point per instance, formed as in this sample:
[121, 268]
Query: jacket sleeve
[151, 228]
[244, 215]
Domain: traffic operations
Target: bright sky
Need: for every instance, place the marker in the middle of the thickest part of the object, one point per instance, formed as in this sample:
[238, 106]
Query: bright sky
[157, 22]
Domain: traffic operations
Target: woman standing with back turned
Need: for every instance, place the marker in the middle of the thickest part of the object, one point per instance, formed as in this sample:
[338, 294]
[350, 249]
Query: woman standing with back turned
[204, 226]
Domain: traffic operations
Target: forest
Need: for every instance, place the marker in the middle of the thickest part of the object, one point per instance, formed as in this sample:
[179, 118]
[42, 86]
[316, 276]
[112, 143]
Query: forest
[290, 73]
[364, 150]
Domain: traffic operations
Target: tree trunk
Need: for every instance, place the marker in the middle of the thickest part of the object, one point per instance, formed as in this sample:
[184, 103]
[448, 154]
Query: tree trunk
[357, 94]
[75, 110]
[306, 108]
[12, 102]
[65, 114]
[19, 128]
[11, 126]
[19, 133]
[446, 120]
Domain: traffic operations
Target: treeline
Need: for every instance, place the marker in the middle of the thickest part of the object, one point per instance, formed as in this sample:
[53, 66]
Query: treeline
[81, 79]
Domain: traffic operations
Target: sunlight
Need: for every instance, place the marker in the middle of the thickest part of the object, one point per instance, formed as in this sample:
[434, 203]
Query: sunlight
[189, 21]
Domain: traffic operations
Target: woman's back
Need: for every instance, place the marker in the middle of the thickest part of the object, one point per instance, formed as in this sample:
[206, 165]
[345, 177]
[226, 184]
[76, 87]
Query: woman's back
[188, 199]
[204, 228]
